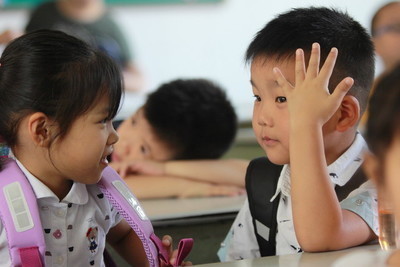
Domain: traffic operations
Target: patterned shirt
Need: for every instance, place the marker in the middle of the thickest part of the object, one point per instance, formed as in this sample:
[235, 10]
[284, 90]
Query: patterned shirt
[74, 228]
[241, 242]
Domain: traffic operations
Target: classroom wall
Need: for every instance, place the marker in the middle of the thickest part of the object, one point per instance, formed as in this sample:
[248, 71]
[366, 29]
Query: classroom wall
[201, 40]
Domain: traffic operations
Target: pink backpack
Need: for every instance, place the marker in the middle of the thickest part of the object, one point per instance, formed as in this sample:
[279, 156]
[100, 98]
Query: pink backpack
[20, 216]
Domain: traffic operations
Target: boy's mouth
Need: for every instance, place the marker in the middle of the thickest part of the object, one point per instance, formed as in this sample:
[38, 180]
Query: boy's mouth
[268, 141]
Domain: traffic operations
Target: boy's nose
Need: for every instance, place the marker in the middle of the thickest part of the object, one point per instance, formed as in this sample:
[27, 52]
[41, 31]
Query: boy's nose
[262, 122]
[264, 116]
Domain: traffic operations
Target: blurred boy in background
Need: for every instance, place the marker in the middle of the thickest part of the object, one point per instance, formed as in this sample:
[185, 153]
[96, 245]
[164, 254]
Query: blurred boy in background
[171, 147]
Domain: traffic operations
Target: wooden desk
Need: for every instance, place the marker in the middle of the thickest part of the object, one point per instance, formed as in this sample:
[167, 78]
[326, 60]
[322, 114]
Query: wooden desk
[177, 211]
[207, 220]
[302, 259]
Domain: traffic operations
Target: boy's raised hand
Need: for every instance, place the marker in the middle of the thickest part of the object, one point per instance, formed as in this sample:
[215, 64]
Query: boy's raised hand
[309, 100]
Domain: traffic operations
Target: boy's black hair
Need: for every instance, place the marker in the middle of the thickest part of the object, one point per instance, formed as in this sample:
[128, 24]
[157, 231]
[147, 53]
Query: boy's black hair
[384, 113]
[193, 117]
[301, 27]
[57, 74]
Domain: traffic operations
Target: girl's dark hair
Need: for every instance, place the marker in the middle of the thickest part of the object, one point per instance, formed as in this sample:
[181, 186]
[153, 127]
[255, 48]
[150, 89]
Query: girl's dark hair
[193, 117]
[384, 113]
[57, 74]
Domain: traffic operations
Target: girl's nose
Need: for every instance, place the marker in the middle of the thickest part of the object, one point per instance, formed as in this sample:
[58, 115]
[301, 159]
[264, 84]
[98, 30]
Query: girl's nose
[113, 137]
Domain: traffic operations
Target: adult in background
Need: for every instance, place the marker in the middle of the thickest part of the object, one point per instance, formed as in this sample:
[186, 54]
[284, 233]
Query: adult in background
[89, 20]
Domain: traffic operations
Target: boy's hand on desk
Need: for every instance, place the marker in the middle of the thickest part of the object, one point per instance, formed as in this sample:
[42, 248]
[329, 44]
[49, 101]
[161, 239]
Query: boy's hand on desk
[310, 99]
[201, 189]
[167, 243]
[125, 168]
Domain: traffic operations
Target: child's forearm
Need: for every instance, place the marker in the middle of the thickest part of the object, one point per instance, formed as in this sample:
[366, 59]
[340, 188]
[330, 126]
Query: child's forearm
[320, 223]
[147, 186]
[125, 241]
[224, 171]
[316, 211]
[144, 186]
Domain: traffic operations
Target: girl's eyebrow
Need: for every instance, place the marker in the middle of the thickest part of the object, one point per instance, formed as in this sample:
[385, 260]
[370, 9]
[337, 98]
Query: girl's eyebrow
[105, 110]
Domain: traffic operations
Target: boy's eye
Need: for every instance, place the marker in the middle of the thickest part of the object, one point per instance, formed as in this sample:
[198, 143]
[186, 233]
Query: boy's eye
[280, 99]
[143, 149]
[257, 97]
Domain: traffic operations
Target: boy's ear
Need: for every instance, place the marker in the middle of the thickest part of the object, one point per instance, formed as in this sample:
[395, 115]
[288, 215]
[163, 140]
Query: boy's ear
[39, 129]
[371, 167]
[349, 113]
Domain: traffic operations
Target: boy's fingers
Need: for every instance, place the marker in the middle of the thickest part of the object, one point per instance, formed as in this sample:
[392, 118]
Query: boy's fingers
[300, 67]
[124, 169]
[313, 64]
[343, 87]
[327, 68]
[281, 80]
[122, 172]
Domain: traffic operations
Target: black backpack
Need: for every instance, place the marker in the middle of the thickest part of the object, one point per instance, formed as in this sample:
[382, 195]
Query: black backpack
[261, 182]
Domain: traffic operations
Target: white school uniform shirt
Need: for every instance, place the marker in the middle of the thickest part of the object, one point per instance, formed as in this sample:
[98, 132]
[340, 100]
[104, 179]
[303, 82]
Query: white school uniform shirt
[241, 242]
[74, 228]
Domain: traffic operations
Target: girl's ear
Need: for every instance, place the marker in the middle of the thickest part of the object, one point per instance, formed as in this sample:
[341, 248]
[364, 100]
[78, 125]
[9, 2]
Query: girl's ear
[372, 168]
[349, 113]
[40, 129]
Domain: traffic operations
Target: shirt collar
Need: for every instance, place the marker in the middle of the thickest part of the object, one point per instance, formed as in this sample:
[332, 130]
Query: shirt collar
[340, 171]
[77, 195]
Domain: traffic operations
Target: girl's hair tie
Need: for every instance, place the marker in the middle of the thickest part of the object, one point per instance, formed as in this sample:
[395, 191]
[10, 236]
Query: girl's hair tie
[4, 149]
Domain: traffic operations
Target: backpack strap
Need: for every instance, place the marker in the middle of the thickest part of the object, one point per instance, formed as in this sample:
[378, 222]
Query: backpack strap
[129, 207]
[261, 182]
[20, 217]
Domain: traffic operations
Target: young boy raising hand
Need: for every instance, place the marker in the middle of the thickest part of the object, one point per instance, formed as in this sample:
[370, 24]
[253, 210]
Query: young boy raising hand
[320, 223]
[305, 118]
